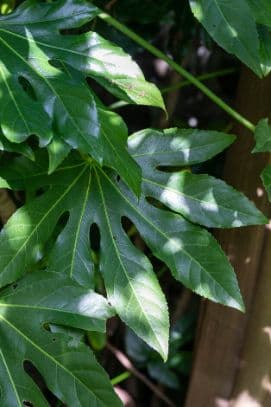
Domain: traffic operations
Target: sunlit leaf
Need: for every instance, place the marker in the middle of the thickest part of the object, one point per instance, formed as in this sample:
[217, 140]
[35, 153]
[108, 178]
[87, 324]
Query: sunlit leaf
[91, 195]
[68, 368]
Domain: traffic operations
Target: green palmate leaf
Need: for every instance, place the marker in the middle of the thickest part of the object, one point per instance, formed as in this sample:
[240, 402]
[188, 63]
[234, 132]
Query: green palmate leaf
[261, 10]
[91, 195]
[77, 188]
[42, 85]
[35, 223]
[68, 367]
[32, 48]
[89, 53]
[232, 25]
[263, 137]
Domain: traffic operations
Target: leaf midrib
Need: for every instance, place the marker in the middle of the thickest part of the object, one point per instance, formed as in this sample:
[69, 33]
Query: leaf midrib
[117, 80]
[192, 198]
[180, 151]
[43, 173]
[120, 260]
[44, 217]
[162, 233]
[79, 224]
[13, 99]
[27, 339]
[11, 379]
[69, 51]
[232, 30]
[36, 22]
[48, 84]
[42, 308]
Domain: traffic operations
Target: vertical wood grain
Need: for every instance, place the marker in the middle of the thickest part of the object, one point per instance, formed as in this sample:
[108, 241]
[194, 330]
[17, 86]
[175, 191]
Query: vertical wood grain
[222, 331]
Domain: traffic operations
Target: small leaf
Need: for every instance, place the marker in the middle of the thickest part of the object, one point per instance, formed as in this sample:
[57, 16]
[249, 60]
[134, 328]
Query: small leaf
[263, 137]
[6, 6]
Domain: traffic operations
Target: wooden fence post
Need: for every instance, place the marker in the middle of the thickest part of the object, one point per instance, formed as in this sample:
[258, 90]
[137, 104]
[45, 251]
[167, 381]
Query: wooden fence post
[219, 377]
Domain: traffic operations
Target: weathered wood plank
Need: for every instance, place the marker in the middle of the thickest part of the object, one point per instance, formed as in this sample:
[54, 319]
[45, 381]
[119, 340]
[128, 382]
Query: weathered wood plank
[221, 331]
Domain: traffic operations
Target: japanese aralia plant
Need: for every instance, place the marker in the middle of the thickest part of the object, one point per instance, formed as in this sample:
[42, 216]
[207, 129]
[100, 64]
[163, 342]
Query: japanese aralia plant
[85, 170]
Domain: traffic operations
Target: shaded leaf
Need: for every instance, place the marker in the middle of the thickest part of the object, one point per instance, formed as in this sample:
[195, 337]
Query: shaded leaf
[130, 282]
[22, 148]
[177, 147]
[69, 369]
[200, 198]
[232, 25]
[91, 194]
[40, 53]
[261, 10]
[43, 87]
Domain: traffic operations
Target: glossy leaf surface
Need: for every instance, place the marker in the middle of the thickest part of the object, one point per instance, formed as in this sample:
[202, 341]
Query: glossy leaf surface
[43, 91]
[90, 194]
[69, 369]
[200, 198]
[78, 188]
[232, 24]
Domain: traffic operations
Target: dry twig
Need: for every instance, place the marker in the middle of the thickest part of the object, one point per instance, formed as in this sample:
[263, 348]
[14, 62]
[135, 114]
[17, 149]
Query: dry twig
[127, 364]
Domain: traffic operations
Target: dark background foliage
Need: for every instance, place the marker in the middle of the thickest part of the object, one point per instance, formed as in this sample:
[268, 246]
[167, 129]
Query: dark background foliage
[169, 25]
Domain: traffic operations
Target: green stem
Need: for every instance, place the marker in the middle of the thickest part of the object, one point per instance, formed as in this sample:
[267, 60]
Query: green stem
[204, 77]
[120, 378]
[180, 85]
[159, 54]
